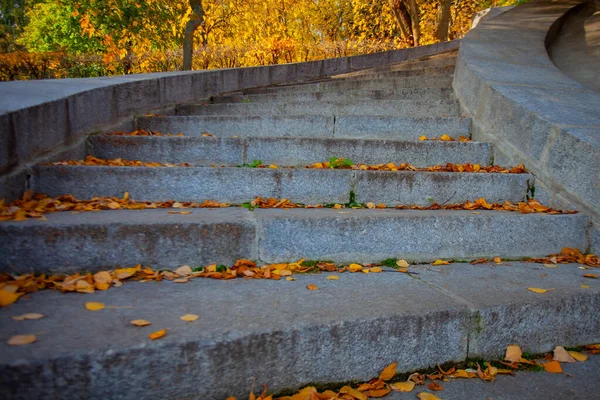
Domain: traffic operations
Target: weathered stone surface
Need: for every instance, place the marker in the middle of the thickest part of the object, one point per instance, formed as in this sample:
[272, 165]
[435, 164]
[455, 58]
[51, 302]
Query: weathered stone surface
[368, 235]
[400, 128]
[67, 243]
[8, 155]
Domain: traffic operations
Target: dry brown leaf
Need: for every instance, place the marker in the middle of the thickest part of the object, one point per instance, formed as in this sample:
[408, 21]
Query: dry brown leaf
[30, 316]
[333, 277]
[402, 264]
[7, 298]
[189, 317]
[94, 306]
[102, 277]
[553, 367]
[312, 286]
[157, 334]
[435, 386]
[404, 387]
[513, 353]
[561, 355]
[140, 322]
[578, 356]
[184, 270]
[19, 340]
[388, 372]
[427, 396]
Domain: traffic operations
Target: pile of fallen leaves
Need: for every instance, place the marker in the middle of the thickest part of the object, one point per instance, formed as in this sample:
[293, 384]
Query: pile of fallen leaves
[381, 387]
[568, 255]
[91, 161]
[446, 138]
[449, 167]
[140, 132]
[35, 205]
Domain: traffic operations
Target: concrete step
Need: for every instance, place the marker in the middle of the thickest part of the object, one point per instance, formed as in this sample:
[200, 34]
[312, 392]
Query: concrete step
[429, 65]
[392, 108]
[364, 127]
[307, 186]
[92, 241]
[394, 74]
[379, 84]
[282, 335]
[198, 150]
[336, 96]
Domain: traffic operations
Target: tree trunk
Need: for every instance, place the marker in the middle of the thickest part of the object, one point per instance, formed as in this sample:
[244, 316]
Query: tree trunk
[402, 19]
[195, 21]
[443, 21]
[413, 9]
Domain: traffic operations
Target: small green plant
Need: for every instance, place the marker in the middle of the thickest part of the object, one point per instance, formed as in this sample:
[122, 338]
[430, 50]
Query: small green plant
[198, 269]
[245, 101]
[335, 162]
[248, 206]
[221, 268]
[310, 263]
[255, 164]
[390, 262]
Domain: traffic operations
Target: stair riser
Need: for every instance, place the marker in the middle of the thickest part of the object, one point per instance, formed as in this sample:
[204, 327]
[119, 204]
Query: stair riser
[307, 186]
[383, 84]
[393, 108]
[364, 127]
[286, 151]
[348, 95]
[393, 74]
[67, 243]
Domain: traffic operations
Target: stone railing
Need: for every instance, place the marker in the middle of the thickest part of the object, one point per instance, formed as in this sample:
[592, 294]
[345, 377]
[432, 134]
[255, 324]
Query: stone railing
[46, 120]
[531, 111]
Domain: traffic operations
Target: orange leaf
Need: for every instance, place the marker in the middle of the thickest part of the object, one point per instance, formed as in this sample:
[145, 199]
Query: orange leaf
[20, 340]
[157, 334]
[353, 392]
[312, 286]
[388, 372]
[435, 386]
[7, 298]
[94, 306]
[513, 353]
[553, 367]
[378, 392]
[403, 386]
[140, 322]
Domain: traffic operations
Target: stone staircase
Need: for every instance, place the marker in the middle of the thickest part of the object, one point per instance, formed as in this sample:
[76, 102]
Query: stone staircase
[279, 332]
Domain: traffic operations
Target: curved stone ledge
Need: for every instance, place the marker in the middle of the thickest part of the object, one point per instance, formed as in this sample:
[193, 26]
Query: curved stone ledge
[41, 119]
[531, 111]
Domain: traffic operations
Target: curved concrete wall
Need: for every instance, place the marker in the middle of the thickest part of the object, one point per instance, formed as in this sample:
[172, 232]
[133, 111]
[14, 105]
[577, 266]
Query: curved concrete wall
[47, 120]
[532, 112]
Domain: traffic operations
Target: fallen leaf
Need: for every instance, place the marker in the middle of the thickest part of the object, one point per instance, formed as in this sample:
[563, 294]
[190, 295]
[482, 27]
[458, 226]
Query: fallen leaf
[404, 387]
[538, 290]
[461, 373]
[402, 264]
[31, 316]
[375, 269]
[435, 386]
[550, 265]
[355, 267]
[181, 280]
[189, 317]
[388, 372]
[184, 270]
[584, 286]
[553, 367]
[427, 396]
[140, 322]
[353, 392]
[93, 306]
[445, 137]
[312, 286]
[578, 356]
[497, 260]
[513, 353]
[290, 279]
[370, 205]
[102, 277]
[562, 355]
[7, 298]
[157, 334]
[180, 212]
[333, 278]
[20, 340]
[422, 137]
[378, 392]
[593, 276]
[440, 262]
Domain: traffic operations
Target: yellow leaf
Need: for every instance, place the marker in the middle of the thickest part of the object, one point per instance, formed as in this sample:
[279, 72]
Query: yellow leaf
[189, 317]
[102, 286]
[124, 273]
[550, 265]
[376, 269]
[440, 262]
[180, 212]
[461, 373]
[388, 372]
[371, 205]
[593, 276]
[338, 206]
[333, 278]
[28, 316]
[402, 263]
[7, 298]
[538, 290]
[157, 334]
[102, 277]
[353, 392]
[497, 260]
[312, 286]
[181, 280]
[140, 322]
[445, 137]
[290, 279]
[422, 137]
[20, 340]
[355, 267]
[578, 356]
[93, 306]
[513, 353]
[553, 367]
[404, 387]
[273, 166]
[427, 396]
[584, 286]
